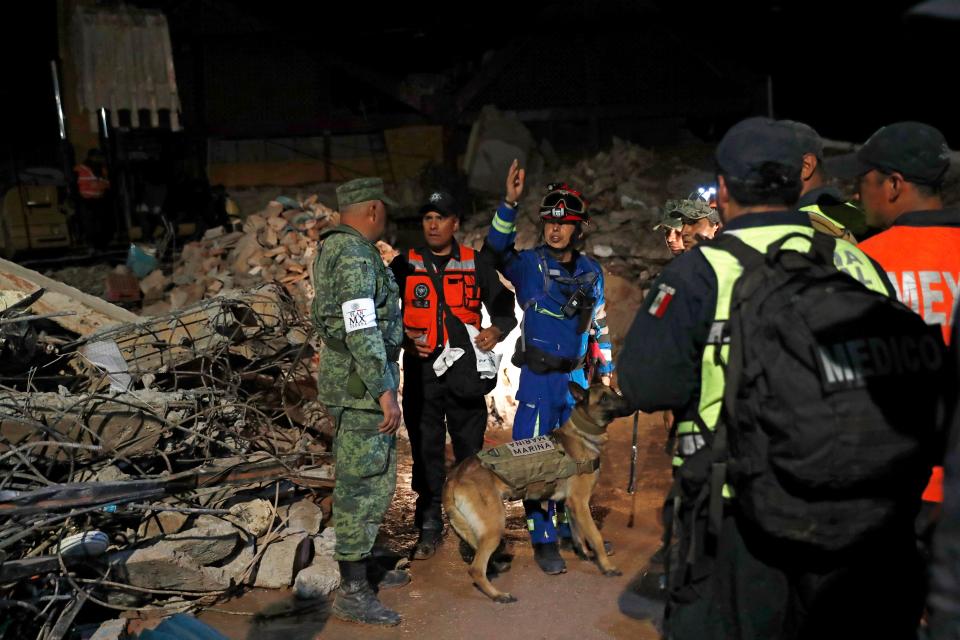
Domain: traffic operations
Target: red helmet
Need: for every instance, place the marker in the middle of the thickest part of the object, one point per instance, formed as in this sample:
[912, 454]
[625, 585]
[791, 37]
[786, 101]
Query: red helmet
[563, 204]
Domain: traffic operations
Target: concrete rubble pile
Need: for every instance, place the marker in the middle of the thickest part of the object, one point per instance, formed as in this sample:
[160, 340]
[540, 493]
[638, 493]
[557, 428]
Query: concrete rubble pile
[276, 244]
[160, 465]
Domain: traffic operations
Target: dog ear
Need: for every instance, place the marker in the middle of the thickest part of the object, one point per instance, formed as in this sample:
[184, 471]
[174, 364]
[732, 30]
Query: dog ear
[580, 395]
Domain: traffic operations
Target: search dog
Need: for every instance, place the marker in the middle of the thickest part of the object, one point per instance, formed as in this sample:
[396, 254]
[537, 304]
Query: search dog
[473, 494]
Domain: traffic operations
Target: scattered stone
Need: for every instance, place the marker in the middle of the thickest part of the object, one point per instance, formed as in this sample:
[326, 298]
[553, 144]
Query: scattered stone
[255, 516]
[325, 543]
[318, 580]
[282, 560]
[305, 516]
[602, 250]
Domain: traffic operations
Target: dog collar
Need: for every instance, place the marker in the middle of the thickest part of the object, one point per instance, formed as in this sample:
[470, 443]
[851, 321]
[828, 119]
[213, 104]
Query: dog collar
[582, 421]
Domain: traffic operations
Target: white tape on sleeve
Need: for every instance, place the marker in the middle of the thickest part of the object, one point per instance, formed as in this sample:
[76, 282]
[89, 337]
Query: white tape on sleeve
[359, 314]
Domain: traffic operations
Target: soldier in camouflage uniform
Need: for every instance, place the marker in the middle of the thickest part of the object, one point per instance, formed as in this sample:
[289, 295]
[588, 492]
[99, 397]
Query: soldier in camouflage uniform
[357, 314]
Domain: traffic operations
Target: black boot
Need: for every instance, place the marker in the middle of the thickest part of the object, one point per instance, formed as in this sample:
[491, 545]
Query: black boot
[355, 600]
[548, 558]
[427, 543]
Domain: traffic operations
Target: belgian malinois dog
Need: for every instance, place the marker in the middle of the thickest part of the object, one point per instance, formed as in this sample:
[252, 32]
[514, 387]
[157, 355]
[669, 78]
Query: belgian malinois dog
[473, 494]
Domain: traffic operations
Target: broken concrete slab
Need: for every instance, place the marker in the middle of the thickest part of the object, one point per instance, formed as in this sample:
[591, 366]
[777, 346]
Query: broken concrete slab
[318, 580]
[211, 541]
[159, 567]
[282, 560]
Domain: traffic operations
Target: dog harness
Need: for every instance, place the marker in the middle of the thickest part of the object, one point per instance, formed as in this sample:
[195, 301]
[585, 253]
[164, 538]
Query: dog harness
[532, 468]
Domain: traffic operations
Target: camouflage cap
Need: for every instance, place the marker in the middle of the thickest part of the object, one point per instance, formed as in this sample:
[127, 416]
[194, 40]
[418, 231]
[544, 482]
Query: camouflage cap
[362, 190]
[691, 209]
[668, 221]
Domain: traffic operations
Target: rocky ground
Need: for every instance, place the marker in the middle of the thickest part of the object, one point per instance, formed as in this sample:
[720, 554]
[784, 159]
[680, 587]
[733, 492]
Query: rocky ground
[441, 602]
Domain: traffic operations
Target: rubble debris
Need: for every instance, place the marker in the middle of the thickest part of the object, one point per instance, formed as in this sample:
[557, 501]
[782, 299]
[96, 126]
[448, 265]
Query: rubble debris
[80, 427]
[276, 245]
[180, 437]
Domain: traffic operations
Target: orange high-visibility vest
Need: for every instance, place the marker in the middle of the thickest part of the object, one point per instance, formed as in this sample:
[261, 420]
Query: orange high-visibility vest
[421, 307]
[921, 255]
[90, 185]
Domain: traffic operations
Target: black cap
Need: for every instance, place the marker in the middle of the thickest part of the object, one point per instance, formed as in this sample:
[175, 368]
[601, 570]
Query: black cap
[916, 150]
[807, 137]
[441, 202]
[754, 142]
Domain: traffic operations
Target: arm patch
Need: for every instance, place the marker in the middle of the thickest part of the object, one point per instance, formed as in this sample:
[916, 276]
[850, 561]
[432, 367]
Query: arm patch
[359, 314]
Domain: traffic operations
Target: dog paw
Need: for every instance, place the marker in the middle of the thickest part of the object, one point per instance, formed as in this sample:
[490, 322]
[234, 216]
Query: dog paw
[610, 573]
[505, 598]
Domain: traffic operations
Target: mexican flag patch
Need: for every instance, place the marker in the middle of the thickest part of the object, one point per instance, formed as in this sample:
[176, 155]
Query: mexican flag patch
[661, 301]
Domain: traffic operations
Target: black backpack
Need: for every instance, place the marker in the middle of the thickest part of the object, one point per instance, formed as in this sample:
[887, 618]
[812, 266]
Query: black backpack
[830, 402]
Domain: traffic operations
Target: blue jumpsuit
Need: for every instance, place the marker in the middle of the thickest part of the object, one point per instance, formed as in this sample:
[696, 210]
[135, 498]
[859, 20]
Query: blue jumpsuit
[544, 400]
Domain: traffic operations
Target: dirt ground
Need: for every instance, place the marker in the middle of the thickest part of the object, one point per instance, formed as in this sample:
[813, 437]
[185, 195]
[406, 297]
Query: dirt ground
[442, 603]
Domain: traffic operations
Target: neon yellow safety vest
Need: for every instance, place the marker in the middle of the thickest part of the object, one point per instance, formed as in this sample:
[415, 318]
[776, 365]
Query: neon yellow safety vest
[825, 224]
[847, 257]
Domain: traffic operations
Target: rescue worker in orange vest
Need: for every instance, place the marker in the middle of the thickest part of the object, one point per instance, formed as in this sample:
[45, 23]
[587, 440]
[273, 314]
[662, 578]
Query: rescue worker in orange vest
[900, 172]
[469, 282]
[93, 187]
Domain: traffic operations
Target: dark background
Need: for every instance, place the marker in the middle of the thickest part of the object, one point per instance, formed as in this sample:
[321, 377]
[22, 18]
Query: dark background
[642, 70]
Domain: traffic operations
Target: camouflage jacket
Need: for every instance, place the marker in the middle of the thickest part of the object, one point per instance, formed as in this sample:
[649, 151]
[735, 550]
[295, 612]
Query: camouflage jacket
[356, 310]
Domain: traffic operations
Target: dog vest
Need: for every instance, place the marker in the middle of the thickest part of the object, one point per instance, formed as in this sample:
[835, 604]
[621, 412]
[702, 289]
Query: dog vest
[533, 467]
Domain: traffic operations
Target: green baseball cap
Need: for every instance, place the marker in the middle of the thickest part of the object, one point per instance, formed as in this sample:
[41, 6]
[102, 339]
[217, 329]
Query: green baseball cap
[362, 190]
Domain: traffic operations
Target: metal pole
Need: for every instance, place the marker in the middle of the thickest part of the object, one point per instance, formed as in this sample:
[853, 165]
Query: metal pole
[105, 128]
[632, 484]
[770, 97]
[56, 95]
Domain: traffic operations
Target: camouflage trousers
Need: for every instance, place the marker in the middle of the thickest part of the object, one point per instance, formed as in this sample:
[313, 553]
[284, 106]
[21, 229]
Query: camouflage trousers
[366, 472]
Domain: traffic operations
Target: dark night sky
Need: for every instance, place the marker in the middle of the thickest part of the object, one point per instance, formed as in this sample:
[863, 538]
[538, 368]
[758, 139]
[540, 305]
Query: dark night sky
[844, 70]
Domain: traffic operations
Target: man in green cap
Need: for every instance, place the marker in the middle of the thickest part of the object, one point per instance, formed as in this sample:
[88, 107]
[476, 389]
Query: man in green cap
[356, 311]
[671, 228]
[698, 220]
